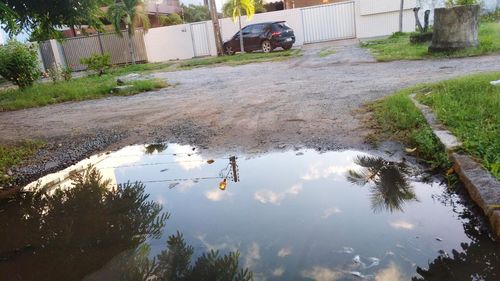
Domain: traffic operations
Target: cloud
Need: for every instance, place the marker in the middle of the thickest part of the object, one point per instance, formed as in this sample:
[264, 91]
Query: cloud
[402, 225]
[209, 246]
[319, 273]
[186, 162]
[330, 211]
[267, 196]
[253, 255]
[283, 252]
[216, 195]
[391, 273]
[318, 171]
[278, 272]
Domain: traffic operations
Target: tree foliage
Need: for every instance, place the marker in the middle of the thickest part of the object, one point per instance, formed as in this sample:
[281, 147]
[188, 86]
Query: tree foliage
[19, 63]
[47, 16]
[171, 19]
[195, 13]
[228, 8]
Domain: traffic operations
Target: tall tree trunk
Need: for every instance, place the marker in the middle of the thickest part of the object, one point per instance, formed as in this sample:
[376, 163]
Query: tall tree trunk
[401, 15]
[215, 23]
[131, 48]
[242, 48]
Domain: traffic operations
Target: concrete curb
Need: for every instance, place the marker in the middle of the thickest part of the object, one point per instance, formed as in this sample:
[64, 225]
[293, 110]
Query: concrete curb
[482, 187]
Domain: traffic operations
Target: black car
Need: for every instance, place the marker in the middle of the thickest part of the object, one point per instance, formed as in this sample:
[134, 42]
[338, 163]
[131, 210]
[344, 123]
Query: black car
[262, 36]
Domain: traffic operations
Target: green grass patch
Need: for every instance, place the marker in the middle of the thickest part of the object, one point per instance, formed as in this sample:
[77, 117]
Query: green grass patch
[240, 59]
[11, 155]
[90, 87]
[470, 108]
[396, 118]
[398, 46]
[326, 52]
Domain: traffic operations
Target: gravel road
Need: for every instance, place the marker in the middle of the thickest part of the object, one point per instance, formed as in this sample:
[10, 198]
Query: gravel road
[307, 101]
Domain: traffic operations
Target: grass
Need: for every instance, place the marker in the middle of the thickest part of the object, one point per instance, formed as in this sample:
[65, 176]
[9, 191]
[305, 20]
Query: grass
[470, 108]
[396, 118]
[90, 87]
[13, 155]
[326, 52]
[240, 59]
[398, 46]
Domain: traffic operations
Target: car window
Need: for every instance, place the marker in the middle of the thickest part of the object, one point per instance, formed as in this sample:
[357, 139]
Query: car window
[280, 26]
[258, 28]
[246, 29]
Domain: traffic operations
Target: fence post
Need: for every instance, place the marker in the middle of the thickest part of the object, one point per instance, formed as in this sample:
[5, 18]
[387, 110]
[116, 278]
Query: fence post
[100, 42]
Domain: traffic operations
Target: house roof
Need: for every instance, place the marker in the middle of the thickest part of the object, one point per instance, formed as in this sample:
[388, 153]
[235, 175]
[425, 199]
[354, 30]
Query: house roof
[163, 7]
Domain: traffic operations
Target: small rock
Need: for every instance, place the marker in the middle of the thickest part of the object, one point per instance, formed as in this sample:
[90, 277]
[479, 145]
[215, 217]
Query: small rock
[495, 83]
[439, 239]
[120, 89]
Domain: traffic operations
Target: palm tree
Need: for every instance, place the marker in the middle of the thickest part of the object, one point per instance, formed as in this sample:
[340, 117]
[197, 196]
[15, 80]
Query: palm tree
[390, 189]
[131, 13]
[236, 8]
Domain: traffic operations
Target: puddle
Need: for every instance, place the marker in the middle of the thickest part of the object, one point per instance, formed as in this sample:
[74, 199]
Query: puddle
[293, 215]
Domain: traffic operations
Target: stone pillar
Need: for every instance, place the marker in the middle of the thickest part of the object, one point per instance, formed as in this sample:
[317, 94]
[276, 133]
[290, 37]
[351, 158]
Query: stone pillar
[455, 28]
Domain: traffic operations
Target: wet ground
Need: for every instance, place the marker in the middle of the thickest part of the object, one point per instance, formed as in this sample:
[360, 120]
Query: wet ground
[293, 215]
[310, 101]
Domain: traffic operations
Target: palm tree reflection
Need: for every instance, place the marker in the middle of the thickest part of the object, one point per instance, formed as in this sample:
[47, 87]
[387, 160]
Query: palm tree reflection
[156, 147]
[390, 189]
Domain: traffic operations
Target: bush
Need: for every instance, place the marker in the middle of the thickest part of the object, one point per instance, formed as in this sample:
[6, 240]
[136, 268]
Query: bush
[171, 19]
[57, 73]
[97, 63]
[19, 63]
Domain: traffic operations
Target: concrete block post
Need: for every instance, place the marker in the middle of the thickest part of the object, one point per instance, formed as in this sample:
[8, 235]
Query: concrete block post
[58, 51]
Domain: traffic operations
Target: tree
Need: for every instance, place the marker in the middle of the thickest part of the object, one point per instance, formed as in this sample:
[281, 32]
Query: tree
[48, 17]
[130, 13]
[239, 8]
[171, 19]
[228, 7]
[195, 13]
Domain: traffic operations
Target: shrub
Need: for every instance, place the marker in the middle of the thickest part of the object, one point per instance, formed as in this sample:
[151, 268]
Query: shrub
[171, 19]
[450, 3]
[67, 73]
[57, 73]
[19, 63]
[97, 63]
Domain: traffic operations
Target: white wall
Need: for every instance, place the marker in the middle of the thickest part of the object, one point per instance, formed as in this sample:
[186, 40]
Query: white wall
[169, 43]
[381, 17]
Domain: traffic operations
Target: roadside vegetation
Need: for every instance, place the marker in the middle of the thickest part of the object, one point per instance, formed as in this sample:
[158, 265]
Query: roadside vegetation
[326, 52]
[11, 155]
[398, 46]
[469, 107]
[90, 87]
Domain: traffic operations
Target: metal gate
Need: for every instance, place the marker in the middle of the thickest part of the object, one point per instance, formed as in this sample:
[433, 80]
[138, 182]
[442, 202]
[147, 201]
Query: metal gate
[199, 35]
[47, 54]
[329, 22]
[117, 47]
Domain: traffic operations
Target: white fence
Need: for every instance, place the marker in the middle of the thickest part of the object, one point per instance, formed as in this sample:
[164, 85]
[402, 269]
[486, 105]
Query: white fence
[349, 19]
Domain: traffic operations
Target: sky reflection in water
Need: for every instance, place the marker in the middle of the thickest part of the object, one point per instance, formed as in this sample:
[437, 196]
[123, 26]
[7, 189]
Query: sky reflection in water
[330, 216]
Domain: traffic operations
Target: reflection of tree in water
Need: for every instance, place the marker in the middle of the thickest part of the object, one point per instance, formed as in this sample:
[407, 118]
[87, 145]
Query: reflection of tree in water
[73, 232]
[173, 264]
[66, 235]
[477, 260]
[391, 188]
[156, 147]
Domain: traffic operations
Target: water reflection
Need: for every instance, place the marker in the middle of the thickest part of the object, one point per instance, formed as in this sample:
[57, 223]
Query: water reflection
[155, 147]
[71, 232]
[391, 188]
[477, 260]
[173, 264]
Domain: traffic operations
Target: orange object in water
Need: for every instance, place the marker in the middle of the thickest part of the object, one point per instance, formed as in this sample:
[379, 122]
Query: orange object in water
[222, 185]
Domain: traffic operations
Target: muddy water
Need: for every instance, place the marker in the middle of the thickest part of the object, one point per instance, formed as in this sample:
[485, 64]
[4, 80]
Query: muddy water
[297, 215]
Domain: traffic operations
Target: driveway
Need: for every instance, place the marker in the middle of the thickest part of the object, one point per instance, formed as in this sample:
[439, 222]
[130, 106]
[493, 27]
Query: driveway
[307, 101]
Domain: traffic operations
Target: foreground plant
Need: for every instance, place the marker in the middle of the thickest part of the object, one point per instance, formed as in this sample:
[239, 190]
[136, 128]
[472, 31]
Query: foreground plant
[19, 63]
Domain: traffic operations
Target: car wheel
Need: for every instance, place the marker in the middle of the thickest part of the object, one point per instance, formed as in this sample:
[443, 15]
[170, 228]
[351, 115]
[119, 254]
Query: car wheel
[266, 46]
[287, 47]
[229, 50]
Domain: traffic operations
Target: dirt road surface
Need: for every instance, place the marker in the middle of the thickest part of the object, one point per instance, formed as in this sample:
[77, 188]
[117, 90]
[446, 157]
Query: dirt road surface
[303, 102]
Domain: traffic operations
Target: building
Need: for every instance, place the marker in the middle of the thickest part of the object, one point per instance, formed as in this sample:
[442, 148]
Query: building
[154, 8]
[292, 4]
